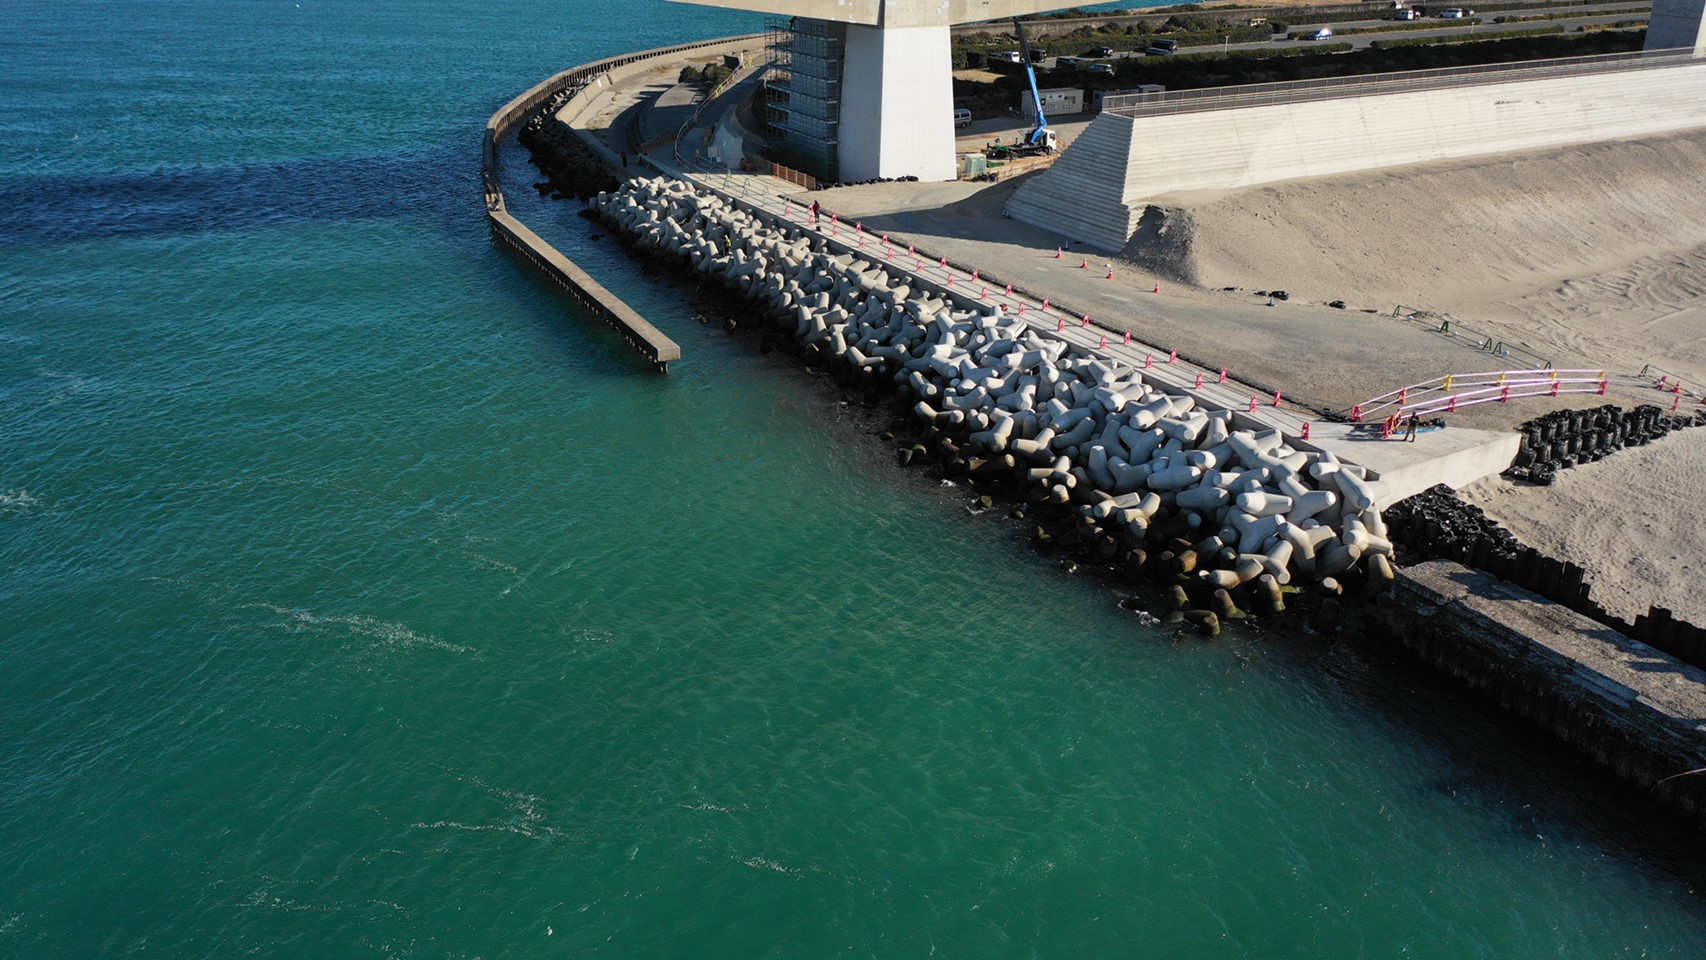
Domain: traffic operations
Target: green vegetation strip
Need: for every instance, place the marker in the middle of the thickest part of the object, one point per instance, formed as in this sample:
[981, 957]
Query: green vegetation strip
[1467, 38]
[1531, 18]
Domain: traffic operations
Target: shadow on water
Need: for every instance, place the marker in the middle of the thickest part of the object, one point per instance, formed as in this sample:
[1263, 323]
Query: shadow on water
[441, 183]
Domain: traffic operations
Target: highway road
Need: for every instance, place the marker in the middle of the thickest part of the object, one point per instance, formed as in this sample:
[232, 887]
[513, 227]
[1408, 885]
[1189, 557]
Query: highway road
[1600, 14]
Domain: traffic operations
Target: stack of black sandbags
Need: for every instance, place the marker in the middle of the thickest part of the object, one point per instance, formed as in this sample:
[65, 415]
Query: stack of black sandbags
[1564, 438]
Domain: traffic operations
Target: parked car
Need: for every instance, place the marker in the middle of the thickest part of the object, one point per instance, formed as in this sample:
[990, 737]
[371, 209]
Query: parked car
[1322, 34]
[1006, 56]
[962, 117]
[1038, 54]
[1406, 14]
[1062, 63]
[1099, 52]
[1163, 48]
[1107, 68]
[1454, 13]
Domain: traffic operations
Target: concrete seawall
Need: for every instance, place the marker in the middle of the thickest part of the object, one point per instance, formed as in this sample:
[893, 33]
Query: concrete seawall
[635, 329]
[1096, 192]
[1003, 402]
[1634, 710]
[581, 84]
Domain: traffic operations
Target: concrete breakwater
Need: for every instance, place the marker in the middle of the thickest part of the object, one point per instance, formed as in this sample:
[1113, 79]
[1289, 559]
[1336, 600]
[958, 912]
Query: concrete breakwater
[636, 330]
[1237, 514]
[1437, 525]
[573, 86]
[1634, 710]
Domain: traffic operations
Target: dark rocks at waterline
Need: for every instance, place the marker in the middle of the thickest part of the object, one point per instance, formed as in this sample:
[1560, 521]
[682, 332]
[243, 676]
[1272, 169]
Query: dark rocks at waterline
[570, 167]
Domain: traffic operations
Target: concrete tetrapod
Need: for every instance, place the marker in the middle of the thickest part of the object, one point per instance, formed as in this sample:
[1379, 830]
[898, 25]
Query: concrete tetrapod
[1139, 464]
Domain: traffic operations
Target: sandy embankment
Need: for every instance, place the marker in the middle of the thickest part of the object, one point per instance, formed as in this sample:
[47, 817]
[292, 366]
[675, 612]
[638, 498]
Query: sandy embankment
[1632, 520]
[1595, 256]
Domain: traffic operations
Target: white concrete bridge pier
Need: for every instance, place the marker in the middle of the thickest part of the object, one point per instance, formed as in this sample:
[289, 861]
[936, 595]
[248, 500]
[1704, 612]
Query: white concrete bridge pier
[897, 92]
[1677, 24]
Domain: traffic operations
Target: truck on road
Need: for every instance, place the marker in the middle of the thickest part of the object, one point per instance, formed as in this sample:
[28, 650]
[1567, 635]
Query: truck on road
[1041, 140]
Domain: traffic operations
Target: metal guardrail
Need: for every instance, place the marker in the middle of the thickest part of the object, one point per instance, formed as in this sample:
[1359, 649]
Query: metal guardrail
[1453, 392]
[737, 76]
[1410, 81]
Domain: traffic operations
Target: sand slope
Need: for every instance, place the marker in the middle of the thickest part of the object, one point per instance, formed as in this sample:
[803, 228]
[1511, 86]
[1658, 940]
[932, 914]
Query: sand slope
[1631, 520]
[1595, 255]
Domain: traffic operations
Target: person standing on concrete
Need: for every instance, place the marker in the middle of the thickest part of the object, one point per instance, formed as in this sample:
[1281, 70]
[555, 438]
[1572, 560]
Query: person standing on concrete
[1410, 427]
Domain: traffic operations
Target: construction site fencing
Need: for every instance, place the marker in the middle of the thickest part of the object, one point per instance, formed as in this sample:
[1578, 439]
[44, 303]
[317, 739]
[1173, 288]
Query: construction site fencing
[1483, 341]
[793, 176]
[1410, 81]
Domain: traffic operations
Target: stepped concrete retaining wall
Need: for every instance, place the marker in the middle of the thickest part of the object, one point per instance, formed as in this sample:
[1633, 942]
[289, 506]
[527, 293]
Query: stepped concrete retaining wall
[1096, 192]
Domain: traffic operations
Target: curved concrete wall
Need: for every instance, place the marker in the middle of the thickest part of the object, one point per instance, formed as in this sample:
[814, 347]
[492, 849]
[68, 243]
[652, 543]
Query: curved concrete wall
[1097, 189]
[639, 333]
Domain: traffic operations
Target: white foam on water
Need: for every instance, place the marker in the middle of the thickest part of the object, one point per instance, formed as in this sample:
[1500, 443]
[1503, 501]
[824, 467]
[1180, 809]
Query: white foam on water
[764, 863]
[388, 633]
[18, 502]
[739, 808]
[526, 815]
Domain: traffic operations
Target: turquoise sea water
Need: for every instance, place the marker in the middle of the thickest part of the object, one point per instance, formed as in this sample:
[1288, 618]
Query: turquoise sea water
[358, 598]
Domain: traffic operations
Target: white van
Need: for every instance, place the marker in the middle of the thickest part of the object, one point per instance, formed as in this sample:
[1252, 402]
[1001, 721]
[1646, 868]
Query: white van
[962, 117]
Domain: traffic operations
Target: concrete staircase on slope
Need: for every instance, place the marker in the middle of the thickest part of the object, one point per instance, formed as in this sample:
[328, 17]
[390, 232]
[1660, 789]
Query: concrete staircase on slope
[1082, 196]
